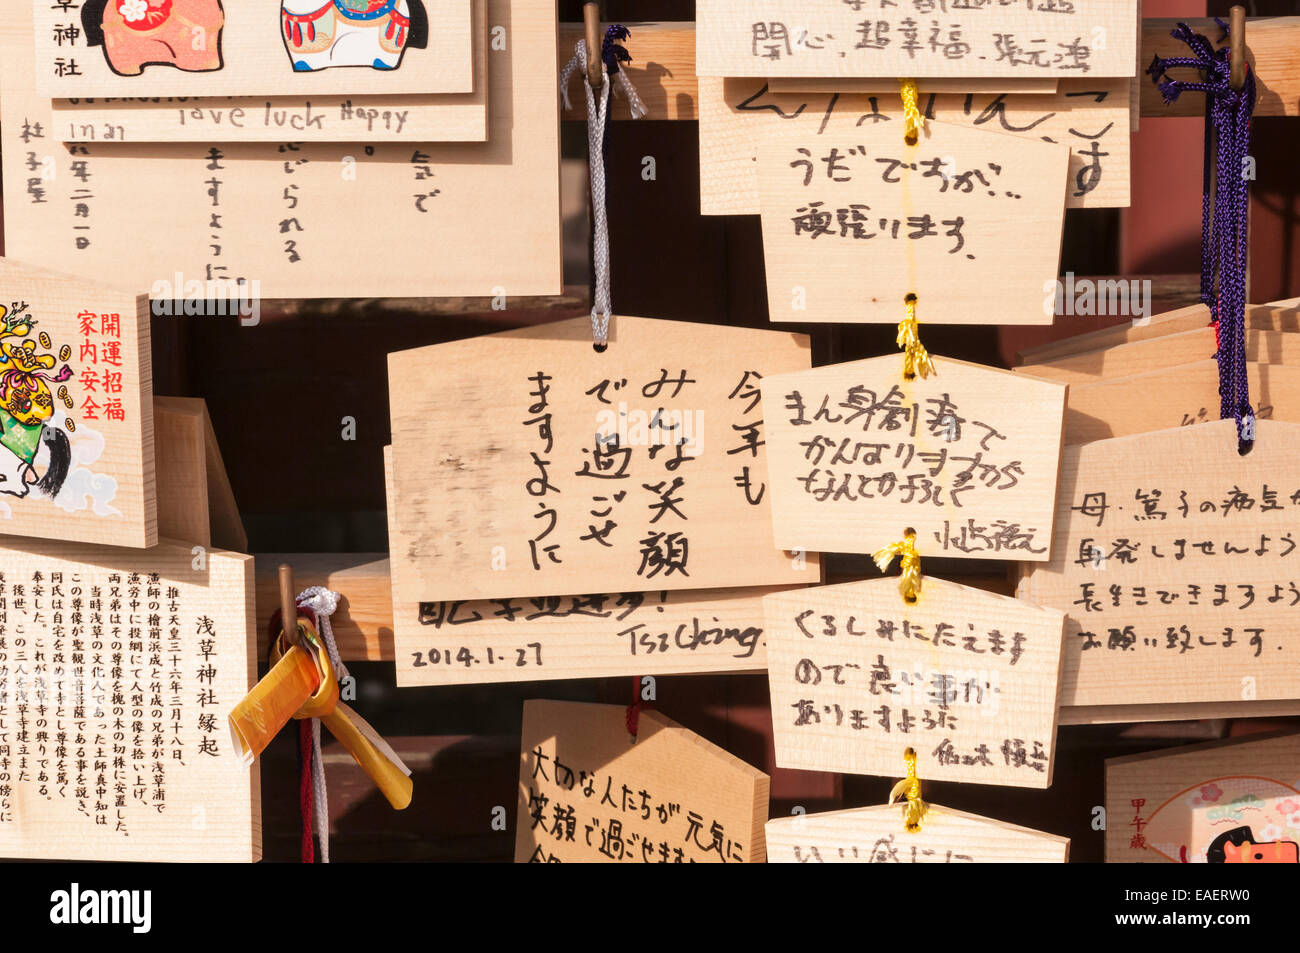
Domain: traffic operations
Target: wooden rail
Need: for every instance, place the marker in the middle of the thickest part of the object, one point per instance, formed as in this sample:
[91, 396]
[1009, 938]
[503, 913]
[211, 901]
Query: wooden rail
[363, 624]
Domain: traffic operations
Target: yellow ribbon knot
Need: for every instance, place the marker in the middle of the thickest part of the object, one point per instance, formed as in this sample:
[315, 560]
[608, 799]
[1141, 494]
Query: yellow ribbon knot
[910, 788]
[912, 118]
[909, 562]
[916, 359]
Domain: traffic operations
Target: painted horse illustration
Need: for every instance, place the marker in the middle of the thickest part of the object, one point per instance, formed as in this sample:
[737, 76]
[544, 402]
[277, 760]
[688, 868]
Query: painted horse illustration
[185, 34]
[1238, 846]
[319, 34]
[26, 404]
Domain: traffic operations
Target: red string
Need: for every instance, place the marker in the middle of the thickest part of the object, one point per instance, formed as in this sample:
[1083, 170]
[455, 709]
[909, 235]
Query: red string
[273, 627]
[305, 745]
[305, 789]
[633, 717]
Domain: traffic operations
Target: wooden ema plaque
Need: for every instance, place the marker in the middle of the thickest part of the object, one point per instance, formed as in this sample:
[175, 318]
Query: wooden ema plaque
[283, 214]
[855, 220]
[791, 38]
[1172, 557]
[440, 117]
[882, 84]
[195, 501]
[566, 471]
[966, 677]
[1119, 294]
[875, 835]
[76, 410]
[577, 636]
[967, 457]
[118, 669]
[251, 47]
[589, 793]
[666, 632]
[1234, 801]
[1090, 116]
[1116, 297]
[1174, 397]
[1135, 83]
[1156, 353]
[1129, 714]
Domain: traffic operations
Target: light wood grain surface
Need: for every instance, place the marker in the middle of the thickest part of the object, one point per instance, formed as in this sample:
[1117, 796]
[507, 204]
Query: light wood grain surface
[1156, 353]
[90, 412]
[1257, 317]
[578, 636]
[667, 80]
[855, 220]
[184, 794]
[734, 111]
[1177, 396]
[967, 457]
[425, 117]
[1192, 606]
[686, 799]
[868, 835]
[967, 678]
[470, 451]
[788, 38]
[1168, 806]
[490, 225]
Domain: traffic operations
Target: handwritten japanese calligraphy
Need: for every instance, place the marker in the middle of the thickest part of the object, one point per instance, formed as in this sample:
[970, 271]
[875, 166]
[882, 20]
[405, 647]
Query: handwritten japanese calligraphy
[587, 794]
[1172, 557]
[966, 457]
[572, 471]
[855, 220]
[967, 678]
[575, 636]
[1089, 116]
[1178, 396]
[915, 37]
[284, 209]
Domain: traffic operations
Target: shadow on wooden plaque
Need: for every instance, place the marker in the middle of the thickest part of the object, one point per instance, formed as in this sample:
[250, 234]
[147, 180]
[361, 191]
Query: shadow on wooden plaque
[195, 500]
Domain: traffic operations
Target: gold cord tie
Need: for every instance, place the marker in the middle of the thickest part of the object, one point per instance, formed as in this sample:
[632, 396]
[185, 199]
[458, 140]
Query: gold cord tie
[909, 561]
[910, 788]
[916, 359]
[912, 118]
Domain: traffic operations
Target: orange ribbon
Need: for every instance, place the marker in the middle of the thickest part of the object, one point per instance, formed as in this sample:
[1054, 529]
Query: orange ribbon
[302, 684]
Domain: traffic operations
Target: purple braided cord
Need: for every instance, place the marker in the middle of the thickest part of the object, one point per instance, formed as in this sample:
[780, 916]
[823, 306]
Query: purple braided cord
[1232, 127]
[1225, 206]
[1207, 194]
[611, 52]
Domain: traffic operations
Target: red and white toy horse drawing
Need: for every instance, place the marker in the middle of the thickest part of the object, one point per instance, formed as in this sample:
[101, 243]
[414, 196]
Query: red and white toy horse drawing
[185, 34]
[322, 33]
